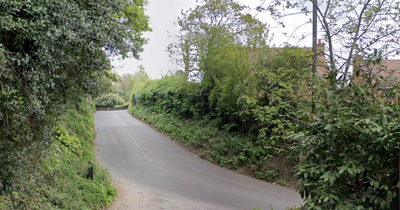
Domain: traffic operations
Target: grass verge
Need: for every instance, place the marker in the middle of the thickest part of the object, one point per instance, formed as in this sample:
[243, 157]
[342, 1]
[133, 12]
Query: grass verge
[59, 179]
[229, 150]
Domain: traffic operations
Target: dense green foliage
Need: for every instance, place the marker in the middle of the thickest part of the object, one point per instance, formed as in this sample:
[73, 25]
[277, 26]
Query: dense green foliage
[249, 104]
[109, 100]
[350, 157]
[205, 137]
[125, 86]
[52, 53]
[225, 115]
[279, 91]
[127, 81]
[248, 126]
[138, 84]
[58, 180]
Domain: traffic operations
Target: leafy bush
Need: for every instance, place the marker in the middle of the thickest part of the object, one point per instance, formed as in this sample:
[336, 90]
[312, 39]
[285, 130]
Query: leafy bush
[109, 100]
[259, 175]
[65, 141]
[52, 53]
[270, 176]
[349, 160]
[57, 180]
[242, 121]
[282, 182]
[230, 150]
[279, 89]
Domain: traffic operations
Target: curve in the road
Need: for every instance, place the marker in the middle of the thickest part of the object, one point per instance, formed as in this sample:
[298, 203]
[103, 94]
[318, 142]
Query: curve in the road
[143, 160]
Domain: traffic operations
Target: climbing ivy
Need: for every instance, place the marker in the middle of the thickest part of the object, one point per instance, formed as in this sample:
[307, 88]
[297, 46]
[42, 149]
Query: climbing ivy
[52, 54]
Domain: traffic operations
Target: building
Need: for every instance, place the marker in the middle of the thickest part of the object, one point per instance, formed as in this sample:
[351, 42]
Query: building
[386, 70]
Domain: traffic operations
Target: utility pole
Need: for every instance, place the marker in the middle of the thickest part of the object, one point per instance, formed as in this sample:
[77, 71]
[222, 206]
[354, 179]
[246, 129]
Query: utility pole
[137, 88]
[117, 93]
[314, 66]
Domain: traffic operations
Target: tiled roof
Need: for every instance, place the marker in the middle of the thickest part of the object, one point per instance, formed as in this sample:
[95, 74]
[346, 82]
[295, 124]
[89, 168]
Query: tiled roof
[391, 65]
[387, 69]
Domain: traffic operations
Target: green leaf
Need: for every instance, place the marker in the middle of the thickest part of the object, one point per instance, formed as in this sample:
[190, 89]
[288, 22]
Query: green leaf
[326, 199]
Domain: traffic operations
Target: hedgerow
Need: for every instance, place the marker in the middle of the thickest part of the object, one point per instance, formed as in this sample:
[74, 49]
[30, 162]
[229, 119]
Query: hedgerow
[58, 180]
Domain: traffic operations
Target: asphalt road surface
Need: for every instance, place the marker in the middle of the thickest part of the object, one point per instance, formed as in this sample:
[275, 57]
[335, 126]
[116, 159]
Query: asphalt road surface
[154, 172]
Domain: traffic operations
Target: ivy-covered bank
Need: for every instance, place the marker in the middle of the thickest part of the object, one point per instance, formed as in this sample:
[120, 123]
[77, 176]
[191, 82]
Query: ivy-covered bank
[60, 178]
[52, 53]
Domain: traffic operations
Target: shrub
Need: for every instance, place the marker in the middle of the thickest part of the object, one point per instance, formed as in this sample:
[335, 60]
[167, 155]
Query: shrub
[270, 176]
[109, 100]
[282, 182]
[259, 175]
[228, 149]
[57, 180]
[350, 158]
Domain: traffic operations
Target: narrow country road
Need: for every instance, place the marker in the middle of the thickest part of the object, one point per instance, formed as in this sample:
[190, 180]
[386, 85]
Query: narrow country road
[153, 172]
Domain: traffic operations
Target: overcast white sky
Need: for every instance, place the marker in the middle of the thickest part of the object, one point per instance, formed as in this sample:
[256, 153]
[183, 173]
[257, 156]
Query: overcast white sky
[163, 14]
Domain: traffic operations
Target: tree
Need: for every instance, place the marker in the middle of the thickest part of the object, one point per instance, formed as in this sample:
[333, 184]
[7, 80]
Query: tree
[349, 157]
[352, 28]
[143, 79]
[109, 100]
[211, 25]
[121, 85]
[127, 81]
[51, 54]
[214, 42]
[106, 82]
[349, 151]
[272, 98]
[136, 21]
